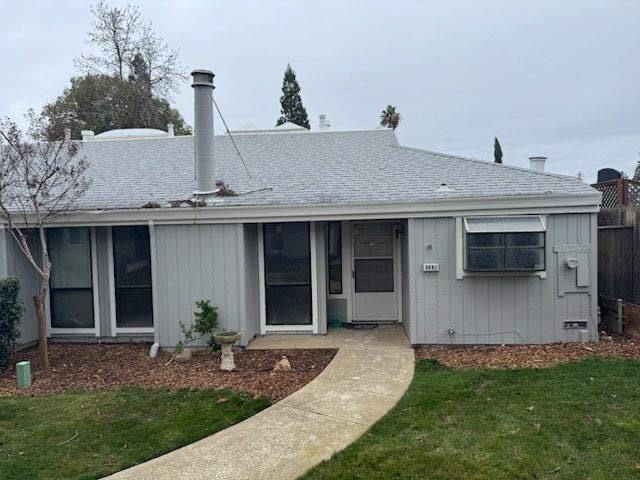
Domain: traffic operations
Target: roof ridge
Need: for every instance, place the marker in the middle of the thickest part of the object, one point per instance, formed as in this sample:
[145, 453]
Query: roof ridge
[487, 162]
[239, 133]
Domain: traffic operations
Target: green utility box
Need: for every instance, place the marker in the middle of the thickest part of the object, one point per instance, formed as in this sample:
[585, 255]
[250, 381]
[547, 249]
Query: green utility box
[23, 371]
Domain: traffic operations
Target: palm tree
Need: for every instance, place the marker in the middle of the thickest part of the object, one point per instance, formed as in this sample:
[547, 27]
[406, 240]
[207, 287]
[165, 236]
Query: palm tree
[390, 118]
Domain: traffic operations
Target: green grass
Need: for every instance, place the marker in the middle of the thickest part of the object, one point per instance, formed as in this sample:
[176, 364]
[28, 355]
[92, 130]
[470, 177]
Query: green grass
[574, 421]
[115, 429]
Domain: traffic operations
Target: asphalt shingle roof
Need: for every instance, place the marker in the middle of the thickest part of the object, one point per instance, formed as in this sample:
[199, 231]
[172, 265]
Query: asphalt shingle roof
[302, 168]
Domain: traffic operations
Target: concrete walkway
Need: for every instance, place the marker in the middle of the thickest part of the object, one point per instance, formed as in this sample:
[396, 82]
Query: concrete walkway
[369, 374]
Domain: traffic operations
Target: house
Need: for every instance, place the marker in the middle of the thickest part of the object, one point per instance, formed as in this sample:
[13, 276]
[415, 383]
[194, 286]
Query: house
[320, 226]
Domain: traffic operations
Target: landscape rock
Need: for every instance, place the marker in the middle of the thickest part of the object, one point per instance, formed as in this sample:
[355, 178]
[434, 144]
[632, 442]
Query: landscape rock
[185, 356]
[282, 365]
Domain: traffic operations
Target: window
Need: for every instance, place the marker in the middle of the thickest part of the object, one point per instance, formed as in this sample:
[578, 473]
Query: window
[71, 283]
[373, 258]
[287, 269]
[132, 269]
[334, 257]
[505, 244]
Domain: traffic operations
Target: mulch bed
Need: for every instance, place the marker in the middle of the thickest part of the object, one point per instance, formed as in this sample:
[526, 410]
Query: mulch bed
[527, 356]
[91, 366]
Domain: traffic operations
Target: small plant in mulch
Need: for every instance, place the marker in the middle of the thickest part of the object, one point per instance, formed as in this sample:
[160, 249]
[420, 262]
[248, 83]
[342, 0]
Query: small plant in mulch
[205, 325]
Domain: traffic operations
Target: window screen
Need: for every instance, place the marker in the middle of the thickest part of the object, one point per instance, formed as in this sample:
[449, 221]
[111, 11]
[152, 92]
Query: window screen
[132, 268]
[287, 270]
[508, 248]
[334, 257]
[71, 284]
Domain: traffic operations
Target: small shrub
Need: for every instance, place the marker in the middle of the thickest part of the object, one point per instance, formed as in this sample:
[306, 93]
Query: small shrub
[205, 324]
[11, 309]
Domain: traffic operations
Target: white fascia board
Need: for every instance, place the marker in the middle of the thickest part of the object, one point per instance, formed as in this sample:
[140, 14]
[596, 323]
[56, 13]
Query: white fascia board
[534, 204]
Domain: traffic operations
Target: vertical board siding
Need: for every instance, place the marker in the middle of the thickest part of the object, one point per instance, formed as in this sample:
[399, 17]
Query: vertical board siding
[200, 262]
[4, 252]
[104, 292]
[321, 275]
[250, 277]
[18, 266]
[495, 309]
[407, 312]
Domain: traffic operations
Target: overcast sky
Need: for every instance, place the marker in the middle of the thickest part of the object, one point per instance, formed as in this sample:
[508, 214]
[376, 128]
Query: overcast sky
[554, 78]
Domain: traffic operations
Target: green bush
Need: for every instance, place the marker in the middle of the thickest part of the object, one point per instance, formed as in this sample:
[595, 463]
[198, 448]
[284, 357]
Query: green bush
[205, 324]
[11, 309]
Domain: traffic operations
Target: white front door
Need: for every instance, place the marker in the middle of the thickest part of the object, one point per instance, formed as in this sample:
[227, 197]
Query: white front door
[375, 283]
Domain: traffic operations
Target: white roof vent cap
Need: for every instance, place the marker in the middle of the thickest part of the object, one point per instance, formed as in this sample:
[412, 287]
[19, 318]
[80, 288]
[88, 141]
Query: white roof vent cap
[444, 188]
[324, 124]
[87, 134]
[537, 163]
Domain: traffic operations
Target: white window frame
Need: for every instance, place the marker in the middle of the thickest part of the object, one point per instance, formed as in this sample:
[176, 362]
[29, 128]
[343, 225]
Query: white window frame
[115, 330]
[461, 250]
[96, 297]
[313, 248]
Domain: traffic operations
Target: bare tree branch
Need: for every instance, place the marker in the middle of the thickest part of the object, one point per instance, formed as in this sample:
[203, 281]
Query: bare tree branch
[39, 180]
[118, 34]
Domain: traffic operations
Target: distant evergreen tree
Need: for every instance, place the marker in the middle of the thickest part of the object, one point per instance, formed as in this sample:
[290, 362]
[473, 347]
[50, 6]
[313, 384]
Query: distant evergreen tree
[390, 118]
[292, 109]
[636, 173]
[497, 151]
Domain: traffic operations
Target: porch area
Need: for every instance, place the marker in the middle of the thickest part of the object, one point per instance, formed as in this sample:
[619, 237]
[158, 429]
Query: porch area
[318, 274]
[383, 336]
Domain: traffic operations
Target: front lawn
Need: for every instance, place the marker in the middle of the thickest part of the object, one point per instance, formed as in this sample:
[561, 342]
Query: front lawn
[87, 435]
[574, 421]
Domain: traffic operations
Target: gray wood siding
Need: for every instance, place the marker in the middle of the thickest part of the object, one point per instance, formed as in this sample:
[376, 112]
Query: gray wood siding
[4, 253]
[497, 309]
[321, 275]
[251, 281]
[104, 293]
[199, 262]
[407, 319]
[19, 267]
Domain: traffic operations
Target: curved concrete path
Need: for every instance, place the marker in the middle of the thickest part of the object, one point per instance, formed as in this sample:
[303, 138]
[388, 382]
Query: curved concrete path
[369, 374]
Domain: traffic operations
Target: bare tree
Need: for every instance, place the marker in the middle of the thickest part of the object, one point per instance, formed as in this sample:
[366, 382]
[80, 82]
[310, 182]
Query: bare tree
[119, 34]
[39, 180]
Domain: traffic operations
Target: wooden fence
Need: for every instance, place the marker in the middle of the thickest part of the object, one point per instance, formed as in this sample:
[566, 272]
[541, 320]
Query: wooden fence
[619, 265]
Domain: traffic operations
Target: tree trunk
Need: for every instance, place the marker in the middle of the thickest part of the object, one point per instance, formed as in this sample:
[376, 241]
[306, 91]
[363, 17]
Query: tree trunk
[38, 302]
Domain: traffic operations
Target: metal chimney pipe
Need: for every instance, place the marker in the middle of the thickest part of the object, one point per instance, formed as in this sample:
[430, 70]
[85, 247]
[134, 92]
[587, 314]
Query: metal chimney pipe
[537, 163]
[203, 132]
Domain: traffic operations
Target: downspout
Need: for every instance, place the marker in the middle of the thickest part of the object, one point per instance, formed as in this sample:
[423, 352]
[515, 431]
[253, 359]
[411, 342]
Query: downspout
[153, 351]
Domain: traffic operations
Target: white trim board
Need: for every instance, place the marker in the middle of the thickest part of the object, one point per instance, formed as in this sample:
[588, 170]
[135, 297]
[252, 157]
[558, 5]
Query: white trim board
[154, 280]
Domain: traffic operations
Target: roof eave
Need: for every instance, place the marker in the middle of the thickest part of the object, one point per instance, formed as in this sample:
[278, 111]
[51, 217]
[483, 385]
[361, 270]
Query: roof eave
[445, 207]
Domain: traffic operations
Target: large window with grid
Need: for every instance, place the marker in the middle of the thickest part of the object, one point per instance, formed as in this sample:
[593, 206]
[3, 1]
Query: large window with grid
[505, 244]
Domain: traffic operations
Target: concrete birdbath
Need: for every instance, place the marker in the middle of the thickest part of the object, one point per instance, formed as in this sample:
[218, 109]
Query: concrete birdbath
[226, 341]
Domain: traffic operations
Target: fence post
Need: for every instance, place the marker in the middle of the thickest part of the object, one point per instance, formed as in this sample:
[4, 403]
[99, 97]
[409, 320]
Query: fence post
[620, 317]
[620, 191]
